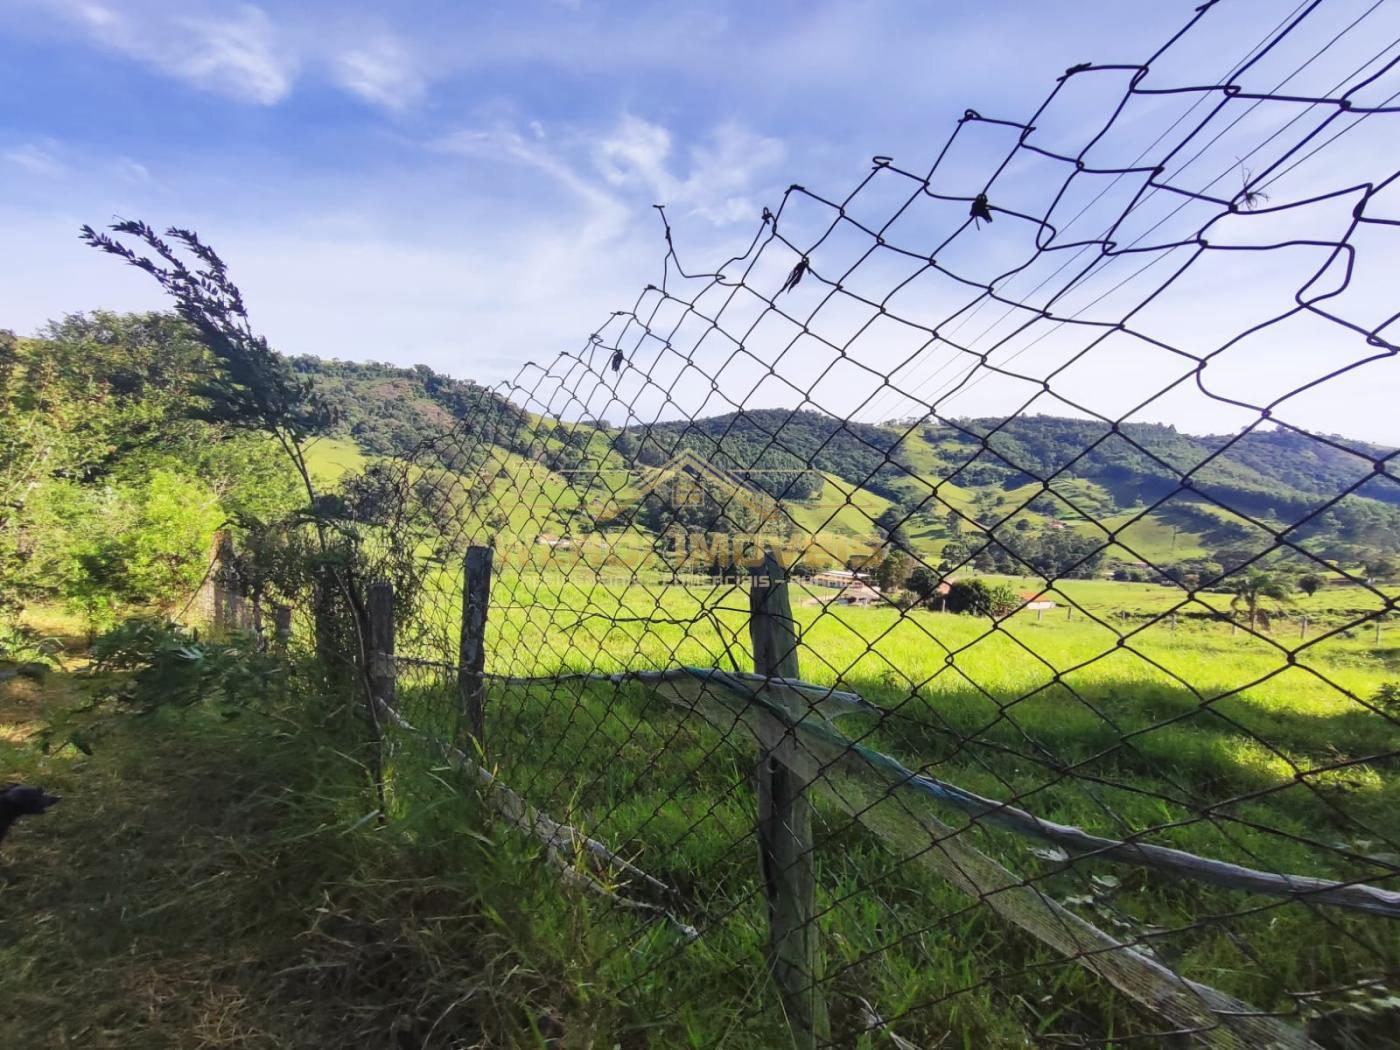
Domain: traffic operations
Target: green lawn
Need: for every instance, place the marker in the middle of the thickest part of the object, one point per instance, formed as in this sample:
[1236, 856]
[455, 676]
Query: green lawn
[1296, 772]
[223, 884]
[330, 459]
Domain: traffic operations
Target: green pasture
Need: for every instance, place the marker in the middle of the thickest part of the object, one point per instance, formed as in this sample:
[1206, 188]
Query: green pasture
[329, 459]
[1270, 752]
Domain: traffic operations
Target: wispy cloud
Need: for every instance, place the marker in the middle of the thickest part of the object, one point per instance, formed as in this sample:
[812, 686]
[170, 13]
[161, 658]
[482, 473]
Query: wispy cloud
[235, 54]
[723, 171]
[382, 73]
[551, 129]
[132, 171]
[37, 159]
[605, 211]
[634, 163]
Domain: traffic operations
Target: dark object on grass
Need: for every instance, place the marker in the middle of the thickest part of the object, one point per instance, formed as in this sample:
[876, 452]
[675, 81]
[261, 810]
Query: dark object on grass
[17, 800]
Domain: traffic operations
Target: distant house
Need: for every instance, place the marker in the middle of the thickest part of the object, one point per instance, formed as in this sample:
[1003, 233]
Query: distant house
[854, 588]
[1032, 600]
[860, 594]
[837, 578]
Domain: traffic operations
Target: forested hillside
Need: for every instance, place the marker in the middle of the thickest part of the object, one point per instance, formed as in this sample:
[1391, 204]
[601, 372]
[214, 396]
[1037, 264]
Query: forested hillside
[388, 410]
[949, 481]
[112, 474]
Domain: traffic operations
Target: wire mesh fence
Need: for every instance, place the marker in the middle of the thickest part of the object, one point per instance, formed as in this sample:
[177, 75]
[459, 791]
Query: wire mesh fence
[731, 668]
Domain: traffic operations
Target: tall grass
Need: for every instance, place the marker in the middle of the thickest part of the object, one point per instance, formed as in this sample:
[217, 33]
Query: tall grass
[1225, 746]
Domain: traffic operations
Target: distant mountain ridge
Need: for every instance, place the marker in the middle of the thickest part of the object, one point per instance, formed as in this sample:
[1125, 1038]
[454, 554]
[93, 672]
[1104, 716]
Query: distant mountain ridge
[979, 469]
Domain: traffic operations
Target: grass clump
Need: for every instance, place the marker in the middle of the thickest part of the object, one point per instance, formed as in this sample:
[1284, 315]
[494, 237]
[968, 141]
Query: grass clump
[218, 883]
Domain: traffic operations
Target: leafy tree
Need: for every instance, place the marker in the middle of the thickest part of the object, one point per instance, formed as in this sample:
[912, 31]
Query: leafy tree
[114, 484]
[1254, 592]
[970, 596]
[954, 556]
[1310, 583]
[891, 523]
[923, 583]
[1380, 567]
[1003, 598]
[978, 598]
[893, 570]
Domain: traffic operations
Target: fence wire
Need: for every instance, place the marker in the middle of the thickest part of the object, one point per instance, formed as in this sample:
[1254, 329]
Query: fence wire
[1036, 811]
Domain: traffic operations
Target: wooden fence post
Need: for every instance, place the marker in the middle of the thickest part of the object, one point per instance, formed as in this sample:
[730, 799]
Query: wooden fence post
[282, 625]
[378, 637]
[471, 651]
[786, 854]
[218, 581]
[380, 607]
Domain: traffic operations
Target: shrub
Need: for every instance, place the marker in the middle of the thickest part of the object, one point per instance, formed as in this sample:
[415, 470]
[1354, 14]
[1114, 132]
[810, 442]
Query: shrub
[923, 584]
[978, 598]
[174, 666]
[970, 596]
[1003, 599]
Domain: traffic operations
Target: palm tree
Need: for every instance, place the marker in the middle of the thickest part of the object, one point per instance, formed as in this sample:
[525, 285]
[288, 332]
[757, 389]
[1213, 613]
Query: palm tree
[1253, 591]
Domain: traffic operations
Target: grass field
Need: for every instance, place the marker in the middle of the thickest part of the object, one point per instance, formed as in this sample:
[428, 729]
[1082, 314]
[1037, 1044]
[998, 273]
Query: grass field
[223, 884]
[1273, 752]
[1268, 752]
[329, 459]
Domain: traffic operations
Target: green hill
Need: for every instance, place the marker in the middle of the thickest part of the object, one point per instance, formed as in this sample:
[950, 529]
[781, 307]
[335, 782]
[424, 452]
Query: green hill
[1037, 490]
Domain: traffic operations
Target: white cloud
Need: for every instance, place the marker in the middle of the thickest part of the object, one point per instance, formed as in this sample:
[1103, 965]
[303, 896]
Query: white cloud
[724, 171]
[724, 168]
[622, 171]
[382, 73]
[635, 154]
[36, 159]
[131, 171]
[236, 54]
[606, 213]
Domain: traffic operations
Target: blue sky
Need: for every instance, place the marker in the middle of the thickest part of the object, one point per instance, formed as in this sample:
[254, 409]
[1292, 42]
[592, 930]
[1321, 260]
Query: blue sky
[469, 185]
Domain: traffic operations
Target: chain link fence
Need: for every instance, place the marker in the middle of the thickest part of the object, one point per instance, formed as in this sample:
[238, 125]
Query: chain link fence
[829, 715]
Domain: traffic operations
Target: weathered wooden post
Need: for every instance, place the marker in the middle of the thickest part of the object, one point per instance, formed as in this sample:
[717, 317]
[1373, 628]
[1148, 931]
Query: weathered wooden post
[224, 584]
[786, 854]
[380, 665]
[378, 638]
[471, 650]
[1303, 627]
[282, 625]
[256, 616]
